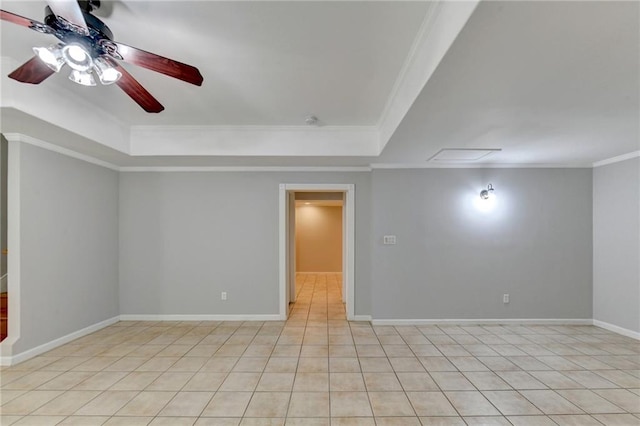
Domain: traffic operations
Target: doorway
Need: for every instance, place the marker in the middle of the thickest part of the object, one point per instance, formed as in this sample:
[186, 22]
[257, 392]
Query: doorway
[345, 193]
[316, 255]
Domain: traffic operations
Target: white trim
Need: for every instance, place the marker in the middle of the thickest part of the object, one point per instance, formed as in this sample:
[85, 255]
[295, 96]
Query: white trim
[72, 112]
[361, 318]
[282, 251]
[23, 356]
[617, 159]
[13, 241]
[349, 272]
[440, 27]
[410, 62]
[246, 169]
[199, 317]
[616, 329]
[318, 187]
[249, 128]
[349, 240]
[254, 141]
[319, 273]
[509, 321]
[466, 165]
[19, 137]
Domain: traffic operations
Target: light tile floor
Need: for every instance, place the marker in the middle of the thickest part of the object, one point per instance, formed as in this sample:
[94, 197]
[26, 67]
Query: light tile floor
[319, 369]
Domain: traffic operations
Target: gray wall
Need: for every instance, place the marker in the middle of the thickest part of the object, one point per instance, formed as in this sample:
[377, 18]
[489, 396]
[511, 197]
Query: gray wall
[69, 246]
[4, 154]
[185, 237]
[453, 261]
[616, 244]
[169, 243]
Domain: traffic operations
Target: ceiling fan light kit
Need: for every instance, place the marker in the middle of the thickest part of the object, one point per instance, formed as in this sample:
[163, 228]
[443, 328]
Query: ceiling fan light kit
[87, 47]
[77, 57]
[51, 56]
[106, 71]
[81, 63]
[83, 78]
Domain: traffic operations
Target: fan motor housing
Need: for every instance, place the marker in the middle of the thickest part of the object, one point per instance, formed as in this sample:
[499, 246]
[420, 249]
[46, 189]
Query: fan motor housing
[89, 5]
[66, 32]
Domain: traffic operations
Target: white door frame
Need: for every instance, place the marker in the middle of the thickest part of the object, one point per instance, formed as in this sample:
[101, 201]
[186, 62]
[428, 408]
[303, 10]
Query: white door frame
[13, 259]
[348, 238]
[291, 245]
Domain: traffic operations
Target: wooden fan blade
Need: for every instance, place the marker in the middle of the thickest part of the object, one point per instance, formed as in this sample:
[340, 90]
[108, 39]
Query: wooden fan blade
[138, 93]
[69, 11]
[25, 22]
[160, 64]
[34, 71]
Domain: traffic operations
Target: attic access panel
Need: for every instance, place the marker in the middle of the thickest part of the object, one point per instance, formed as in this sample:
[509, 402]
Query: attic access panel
[462, 154]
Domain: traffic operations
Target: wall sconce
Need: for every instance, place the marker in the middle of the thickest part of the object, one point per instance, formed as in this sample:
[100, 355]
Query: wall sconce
[485, 194]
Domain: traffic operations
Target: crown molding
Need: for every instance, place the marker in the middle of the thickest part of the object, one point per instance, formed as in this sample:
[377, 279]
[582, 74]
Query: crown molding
[441, 26]
[383, 166]
[617, 159]
[287, 141]
[394, 99]
[250, 128]
[19, 137]
[61, 107]
[246, 169]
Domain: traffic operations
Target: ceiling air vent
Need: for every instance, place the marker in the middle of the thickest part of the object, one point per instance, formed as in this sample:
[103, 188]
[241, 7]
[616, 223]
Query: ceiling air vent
[462, 154]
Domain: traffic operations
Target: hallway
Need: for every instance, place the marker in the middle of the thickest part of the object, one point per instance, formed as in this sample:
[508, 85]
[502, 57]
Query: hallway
[318, 299]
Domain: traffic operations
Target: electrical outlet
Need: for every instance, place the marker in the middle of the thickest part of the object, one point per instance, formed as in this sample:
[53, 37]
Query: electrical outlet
[389, 239]
[223, 295]
[505, 298]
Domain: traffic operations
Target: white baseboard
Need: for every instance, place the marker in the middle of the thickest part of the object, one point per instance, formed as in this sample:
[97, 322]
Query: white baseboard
[617, 329]
[318, 273]
[4, 283]
[23, 356]
[196, 317]
[506, 321]
[361, 318]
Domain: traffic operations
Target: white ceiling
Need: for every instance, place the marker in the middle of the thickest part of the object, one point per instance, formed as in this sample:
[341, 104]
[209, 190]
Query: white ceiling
[264, 63]
[548, 83]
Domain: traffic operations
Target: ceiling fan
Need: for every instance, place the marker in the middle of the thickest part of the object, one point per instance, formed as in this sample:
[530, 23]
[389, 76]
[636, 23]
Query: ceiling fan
[88, 49]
